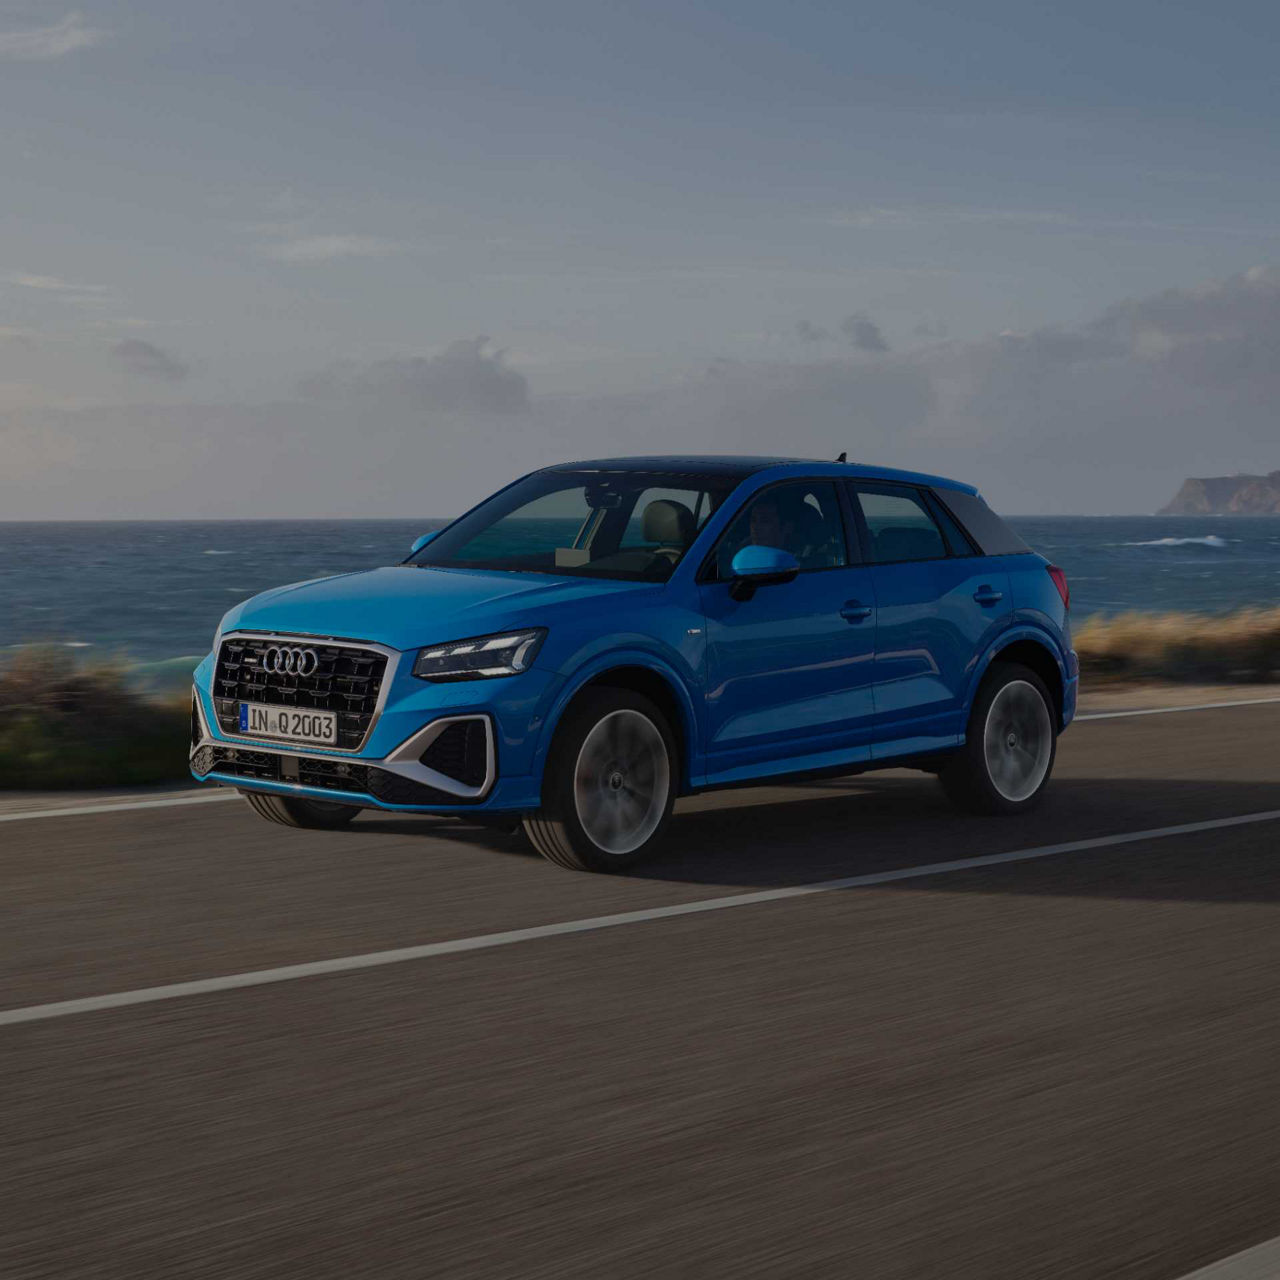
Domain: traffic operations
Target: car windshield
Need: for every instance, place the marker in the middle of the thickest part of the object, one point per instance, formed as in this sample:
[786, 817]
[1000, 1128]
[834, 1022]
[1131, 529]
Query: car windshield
[634, 525]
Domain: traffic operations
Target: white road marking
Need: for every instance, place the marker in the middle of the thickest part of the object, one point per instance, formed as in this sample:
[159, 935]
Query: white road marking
[485, 941]
[1259, 1263]
[75, 811]
[1166, 711]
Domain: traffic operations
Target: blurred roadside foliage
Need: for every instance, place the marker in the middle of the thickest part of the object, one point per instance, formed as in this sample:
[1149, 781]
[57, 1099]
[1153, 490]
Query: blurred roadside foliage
[69, 724]
[65, 724]
[1236, 648]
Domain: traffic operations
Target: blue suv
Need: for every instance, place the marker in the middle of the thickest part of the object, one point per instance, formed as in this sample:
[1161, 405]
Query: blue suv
[599, 638]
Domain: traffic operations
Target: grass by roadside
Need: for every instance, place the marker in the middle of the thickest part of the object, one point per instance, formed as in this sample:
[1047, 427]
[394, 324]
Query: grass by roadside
[1237, 648]
[64, 725]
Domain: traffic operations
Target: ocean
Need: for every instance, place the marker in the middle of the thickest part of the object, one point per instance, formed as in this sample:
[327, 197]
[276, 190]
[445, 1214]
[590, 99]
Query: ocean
[151, 593]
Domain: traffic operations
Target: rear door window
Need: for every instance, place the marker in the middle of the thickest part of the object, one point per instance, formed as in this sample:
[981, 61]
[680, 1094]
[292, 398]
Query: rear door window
[898, 524]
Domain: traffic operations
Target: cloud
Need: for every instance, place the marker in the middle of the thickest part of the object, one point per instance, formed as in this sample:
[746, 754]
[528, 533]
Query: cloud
[914, 217]
[808, 332]
[84, 297]
[145, 360]
[465, 376]
[327, 248]
[864, 333]
[1105, 416]
[1224, 335]
[930, 329]
[187, 461]
[871, 217]
[40, 44]
[51, 284]
[122, 322]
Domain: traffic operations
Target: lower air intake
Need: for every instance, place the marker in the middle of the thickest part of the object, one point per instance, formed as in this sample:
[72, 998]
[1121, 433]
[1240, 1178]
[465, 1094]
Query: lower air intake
[461, 752]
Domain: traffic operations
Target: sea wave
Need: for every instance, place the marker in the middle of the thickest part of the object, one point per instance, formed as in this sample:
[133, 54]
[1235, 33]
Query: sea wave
[1210, 540]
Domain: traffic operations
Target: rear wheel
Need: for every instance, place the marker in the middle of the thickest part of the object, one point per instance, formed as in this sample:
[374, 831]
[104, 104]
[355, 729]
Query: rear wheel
[289, 811]
[1010, 747]
[609, 785]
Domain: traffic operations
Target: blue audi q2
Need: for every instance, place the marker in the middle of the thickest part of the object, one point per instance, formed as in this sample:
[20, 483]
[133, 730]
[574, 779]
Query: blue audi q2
[599, 638]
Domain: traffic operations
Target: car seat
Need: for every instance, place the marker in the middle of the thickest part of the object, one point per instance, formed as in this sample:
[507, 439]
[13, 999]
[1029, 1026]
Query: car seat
[670, 524]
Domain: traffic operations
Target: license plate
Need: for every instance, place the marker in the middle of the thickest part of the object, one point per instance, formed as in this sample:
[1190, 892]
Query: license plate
[320, 727]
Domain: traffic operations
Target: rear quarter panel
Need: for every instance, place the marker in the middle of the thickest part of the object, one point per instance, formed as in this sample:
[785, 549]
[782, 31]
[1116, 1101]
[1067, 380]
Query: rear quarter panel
[1039, 615]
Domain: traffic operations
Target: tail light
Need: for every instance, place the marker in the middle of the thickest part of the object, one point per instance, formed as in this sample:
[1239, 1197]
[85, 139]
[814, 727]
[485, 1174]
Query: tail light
[1060, 581]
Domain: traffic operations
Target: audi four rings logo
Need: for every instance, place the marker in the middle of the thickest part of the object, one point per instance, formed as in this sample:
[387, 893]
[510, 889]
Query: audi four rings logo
[290, 662]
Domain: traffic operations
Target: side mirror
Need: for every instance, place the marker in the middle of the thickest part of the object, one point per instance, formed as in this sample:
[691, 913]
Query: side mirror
[756, 567]
[421, 541]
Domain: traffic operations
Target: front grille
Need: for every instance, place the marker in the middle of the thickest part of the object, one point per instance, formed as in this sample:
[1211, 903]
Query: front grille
[324, 775]
[247, 764]
[330, 775]
[346, 681]
[460, 752]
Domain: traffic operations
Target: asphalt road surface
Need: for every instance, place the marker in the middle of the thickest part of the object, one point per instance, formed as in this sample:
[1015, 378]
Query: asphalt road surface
[1053, 1066]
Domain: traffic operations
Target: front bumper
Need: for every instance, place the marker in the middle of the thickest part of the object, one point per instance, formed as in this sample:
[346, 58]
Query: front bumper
[389, 771]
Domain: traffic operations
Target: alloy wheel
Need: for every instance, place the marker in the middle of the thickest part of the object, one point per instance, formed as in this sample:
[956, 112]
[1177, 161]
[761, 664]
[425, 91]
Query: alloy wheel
[621, 781]
[1018, 741]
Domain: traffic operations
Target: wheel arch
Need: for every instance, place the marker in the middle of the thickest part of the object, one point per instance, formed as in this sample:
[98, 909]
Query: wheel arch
[641, 673]
[1035, 649]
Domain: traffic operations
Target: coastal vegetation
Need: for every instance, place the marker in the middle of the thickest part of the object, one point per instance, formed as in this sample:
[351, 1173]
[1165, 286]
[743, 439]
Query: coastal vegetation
[64, 724]
[68, 724]
[1236, 648]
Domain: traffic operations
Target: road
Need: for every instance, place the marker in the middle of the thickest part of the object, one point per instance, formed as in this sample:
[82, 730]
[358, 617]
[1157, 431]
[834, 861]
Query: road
[1051, 1066]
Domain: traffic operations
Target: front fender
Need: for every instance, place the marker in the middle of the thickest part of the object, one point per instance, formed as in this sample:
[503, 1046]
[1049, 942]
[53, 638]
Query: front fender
[601, 663]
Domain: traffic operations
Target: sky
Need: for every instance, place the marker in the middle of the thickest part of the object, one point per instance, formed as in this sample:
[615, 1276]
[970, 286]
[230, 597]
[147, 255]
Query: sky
[287, 258]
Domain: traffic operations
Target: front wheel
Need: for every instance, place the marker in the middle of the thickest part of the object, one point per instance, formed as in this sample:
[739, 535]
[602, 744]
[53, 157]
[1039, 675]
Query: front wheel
[289, 811]
[1010, 746]
[609, 785]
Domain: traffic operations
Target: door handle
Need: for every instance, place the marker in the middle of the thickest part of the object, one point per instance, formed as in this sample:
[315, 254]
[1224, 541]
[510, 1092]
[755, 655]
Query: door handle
[856, 611]
[988, 595]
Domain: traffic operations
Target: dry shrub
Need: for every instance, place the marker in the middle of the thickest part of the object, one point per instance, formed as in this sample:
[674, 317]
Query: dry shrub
[66, 724]
[1237, 648]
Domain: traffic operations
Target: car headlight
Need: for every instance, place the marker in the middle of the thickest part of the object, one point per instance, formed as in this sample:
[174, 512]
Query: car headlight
[482, 658]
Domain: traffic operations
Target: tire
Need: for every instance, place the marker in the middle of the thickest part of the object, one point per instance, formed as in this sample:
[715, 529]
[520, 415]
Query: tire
[609, 783]
[1011, 743]
[316, 815]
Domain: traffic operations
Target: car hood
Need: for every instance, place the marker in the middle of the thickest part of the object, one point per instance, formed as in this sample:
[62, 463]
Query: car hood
[405, 606]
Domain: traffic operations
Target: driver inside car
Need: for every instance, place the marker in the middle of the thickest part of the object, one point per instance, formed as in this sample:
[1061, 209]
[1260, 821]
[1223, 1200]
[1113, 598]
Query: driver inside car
[768, 527]
[788, 521]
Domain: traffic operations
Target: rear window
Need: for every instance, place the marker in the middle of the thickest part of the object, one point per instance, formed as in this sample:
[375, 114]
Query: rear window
[983, 525]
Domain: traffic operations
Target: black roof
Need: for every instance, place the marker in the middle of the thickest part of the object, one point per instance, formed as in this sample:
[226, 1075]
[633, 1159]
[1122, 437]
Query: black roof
[680, 464]
[735, 468]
